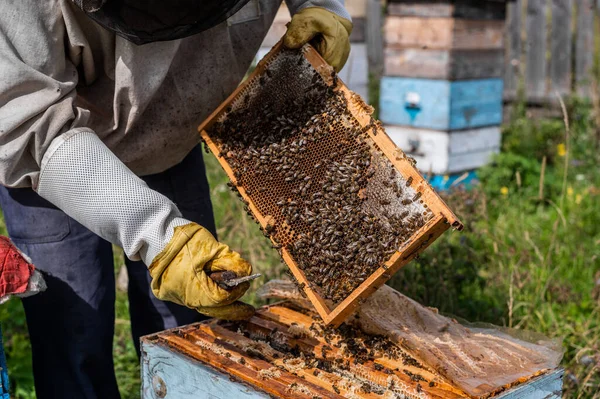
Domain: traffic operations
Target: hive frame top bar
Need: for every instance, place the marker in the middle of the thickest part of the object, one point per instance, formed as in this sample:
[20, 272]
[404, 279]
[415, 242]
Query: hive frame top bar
[442, 219]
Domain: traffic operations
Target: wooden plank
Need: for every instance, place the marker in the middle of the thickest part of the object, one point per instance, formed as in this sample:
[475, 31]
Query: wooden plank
[374, 36]
[476, 34]
[584, 46]
[442, 105]
[443, 33]
[321, 378]
[285, 316]
[247, 370]
[444, 64]
[417, 63]
[442, 217]
[170, 375]
[512, 72]
[476, 64]
[560, 47]
[535, 65]
[204, 360]
[464, 9]
[475, 103]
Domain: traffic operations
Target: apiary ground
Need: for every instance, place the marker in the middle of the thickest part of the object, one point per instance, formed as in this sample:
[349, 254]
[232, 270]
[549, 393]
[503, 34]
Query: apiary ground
[333, 200]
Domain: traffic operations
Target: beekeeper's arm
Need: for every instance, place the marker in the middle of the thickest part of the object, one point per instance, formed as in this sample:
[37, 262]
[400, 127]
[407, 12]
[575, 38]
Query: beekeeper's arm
[45, 144]
[328, 22]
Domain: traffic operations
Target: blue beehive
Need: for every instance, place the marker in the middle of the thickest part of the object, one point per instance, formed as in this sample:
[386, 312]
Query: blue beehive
[440, 104]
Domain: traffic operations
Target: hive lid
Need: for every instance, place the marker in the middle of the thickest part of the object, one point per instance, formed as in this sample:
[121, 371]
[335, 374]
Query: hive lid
[344, 206]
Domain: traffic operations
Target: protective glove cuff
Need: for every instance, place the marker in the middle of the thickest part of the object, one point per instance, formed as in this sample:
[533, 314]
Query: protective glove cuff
[181, 236]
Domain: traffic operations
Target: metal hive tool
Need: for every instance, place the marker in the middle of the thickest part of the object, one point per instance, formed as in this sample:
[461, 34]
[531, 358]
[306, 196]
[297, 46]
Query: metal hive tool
[342, 204]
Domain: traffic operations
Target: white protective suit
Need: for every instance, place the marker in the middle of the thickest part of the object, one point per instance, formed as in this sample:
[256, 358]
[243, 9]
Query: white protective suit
[83, 112]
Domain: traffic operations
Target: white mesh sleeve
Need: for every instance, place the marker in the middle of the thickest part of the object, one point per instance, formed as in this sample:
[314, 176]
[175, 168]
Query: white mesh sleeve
[82, 177]
[335, 6]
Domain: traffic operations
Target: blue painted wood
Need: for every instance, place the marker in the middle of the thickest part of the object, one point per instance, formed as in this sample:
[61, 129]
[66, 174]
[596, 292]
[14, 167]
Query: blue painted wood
[440, 104]
[169, 375]
[4, 388]
[548, 386]
[445, 182]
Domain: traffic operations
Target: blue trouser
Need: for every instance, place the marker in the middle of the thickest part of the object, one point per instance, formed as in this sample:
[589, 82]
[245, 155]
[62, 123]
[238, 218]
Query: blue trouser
[71, 324]
[3, 372]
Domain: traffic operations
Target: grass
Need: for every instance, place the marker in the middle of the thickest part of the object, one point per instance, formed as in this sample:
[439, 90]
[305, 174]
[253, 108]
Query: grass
[528, 258]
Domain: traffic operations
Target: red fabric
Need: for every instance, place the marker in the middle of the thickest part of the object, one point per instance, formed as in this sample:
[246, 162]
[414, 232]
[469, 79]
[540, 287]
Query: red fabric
[15, 271]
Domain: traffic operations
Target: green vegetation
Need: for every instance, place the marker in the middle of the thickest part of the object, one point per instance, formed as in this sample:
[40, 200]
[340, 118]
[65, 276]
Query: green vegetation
[528, 258]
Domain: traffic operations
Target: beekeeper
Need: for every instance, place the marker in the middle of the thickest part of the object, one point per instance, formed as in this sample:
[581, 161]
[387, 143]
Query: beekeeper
[99, 105]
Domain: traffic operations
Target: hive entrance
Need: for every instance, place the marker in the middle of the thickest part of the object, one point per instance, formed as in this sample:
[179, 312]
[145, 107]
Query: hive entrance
[309, 161]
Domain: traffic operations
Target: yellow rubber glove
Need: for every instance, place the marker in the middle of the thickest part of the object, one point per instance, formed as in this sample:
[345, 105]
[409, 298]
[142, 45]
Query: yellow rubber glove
[179, 274]
[334, 45]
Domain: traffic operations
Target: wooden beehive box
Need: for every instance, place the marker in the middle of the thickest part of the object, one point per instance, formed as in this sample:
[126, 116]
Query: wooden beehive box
[283, 353]
[445, 39]
[340, 155]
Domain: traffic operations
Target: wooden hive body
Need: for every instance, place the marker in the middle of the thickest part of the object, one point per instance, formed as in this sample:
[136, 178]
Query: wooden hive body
[283, 353]
[438, 216]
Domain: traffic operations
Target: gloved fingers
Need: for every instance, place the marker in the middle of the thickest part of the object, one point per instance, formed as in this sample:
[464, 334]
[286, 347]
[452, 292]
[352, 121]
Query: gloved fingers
[329, 33]
[214, 295]
[335, 49]
[234, 311]
[300, 31]
[229, 260]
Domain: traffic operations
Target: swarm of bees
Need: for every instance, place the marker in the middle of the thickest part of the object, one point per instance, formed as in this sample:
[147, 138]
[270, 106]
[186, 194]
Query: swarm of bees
[339, 207]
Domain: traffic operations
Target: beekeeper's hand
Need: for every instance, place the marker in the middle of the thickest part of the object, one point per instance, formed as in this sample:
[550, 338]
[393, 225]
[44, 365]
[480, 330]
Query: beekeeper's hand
[179, 274]
[81, 176]
[330, 31]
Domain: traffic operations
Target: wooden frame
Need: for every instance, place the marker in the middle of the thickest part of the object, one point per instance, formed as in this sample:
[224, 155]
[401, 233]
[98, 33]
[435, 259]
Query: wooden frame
[442, 218]
[219, 349]
[205, 360]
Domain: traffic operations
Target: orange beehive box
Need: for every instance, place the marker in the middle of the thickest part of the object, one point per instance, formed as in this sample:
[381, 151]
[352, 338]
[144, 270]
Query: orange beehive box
[344, 206]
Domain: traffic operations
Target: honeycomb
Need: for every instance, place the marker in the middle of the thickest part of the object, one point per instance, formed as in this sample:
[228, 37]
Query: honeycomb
[329, 195]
